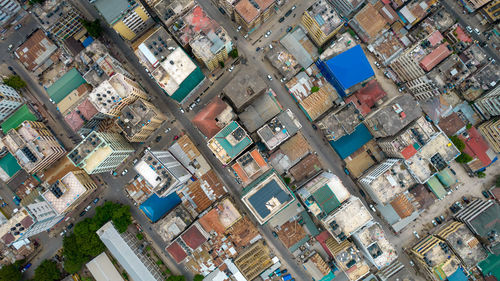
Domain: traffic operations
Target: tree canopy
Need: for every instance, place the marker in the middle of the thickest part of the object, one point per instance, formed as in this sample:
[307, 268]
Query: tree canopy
[47, 271]
[94, 28]
[458, 143]
[198, 277]
[15, 82]
[464, 158]
[176, 278]
[10, 272]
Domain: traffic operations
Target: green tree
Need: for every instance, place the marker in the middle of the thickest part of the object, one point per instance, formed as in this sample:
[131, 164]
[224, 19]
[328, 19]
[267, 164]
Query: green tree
[73, 258]
[176, 278]
[198, 277]
[458, 143]
[234, 53]
[10, 272]
[94, 28]
[481, 175]
[122, 218]
[463, 158]
[221, 63]
[47, 271]
[33, 2]
[497, 182]
[314, 89]
[468, 126]
[139, 236]
[15, 82]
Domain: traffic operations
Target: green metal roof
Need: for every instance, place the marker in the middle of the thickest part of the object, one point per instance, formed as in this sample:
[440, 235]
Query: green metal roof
[9, 164]
[326, 199]
[193, 80]
[436, 187]
[231, 150]
[446, 177]
[18, 117]
[65, 85]
[491, 265]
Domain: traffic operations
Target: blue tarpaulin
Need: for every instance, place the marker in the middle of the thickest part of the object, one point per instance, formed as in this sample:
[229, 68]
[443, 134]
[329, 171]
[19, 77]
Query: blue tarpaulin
[87, 41]
[348, 144]
[156, 207]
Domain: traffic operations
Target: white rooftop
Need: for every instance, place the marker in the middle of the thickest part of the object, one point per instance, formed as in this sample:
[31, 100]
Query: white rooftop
[102, 269]
[73, 190]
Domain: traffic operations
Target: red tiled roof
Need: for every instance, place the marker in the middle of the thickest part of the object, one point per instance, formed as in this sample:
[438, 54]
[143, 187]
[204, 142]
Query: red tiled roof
[176, 251]
[196, 21]
[74, 121]
[8, 238]
[27, 222]
[205, 119]
[366, 97]
[87, 109]
[408, 151]
[193, 237]
[210, 221]
[435, 57]
[451, 124]
[435, 38]
[462, 36]
[476, 146]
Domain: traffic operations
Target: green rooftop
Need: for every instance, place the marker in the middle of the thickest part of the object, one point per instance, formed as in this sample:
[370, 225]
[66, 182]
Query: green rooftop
[18, 117]
[65, 85]
[436, 187]
[9, 164]
[191, 82]
[446, 177]
[231, 150]
[326, 199]
[491, 265]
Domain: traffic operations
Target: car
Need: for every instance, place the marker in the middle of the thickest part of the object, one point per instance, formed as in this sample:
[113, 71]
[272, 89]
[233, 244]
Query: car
[377, 64]
[271, 46]
[158, 139]
[284, 271]
[83, 213]
[485, 194]
[181, 109]
[231, 68]
[88, 208]
[192, 105]
[16, 200]
[166, 131]
[281, 19]
[197, 100]
[438, 220]
[70, 226]
[239, 28]
[465, 199]
[124, 172]
[293, 7]
[10, 47]
[113, 173]
[176, 137]
[453, 171]
[17, 27]
[258, 49]
[268, 33]
[314, 126]
[282, 79]
[269, 77]
[442, 218]
[135, 161]
[222, 11]
[26, 267]
[412, 263]
[275, 234]
[289, 29]
[416, 234]
[454, 209]
[469, 29]
[477, 31]
[96, 200]
[459, 205]
[346, 171]
[10, 68]
[373, 208]
[289, 12]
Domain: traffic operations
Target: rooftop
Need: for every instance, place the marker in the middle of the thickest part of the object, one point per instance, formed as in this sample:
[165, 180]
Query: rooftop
[344, 42]
[306, 168]
[110, 93]
[14, 227]
[435, 57]
[451, 124]
[229, 142]
[366, 98]
[170, 9]
[341, 122]
[300, 46]
[244, 87]
[63, 193]
[349, 144]
[267, 196]
[35, 51]
[220, 218]
[137, 115]
[342, 222]
[284, 61]
[250, 166]
[139, 190]
[387, 180]
[325, 16]
[438, 256]
[311, 90]
[477, 147]
[70, 81]
[112, 10]
[22, 114]
[388, 46]
[102, 269]
[279, 129]
[210, 119]
[374, 242]
[254, 260]
[156, 207]
[202, 193]
[394, 116]
[349, 260]
[250, 10]
[261, 110]
[369, 23]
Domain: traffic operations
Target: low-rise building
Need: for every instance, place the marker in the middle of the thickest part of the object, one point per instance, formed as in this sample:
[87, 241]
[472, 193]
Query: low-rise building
[252, 14]
[452, 124]
[283, 61]
[387, 47]
[375, 246]
[244, 88]
[369, 22]
[102, 269]
[34, 146]
[279, 129]
[260, 111]
[85, 118]
[37, 53]
[249, 166]
[348, 258]
[213, 117]
[100, 152]
[60, 20]
[254, 260]
[347, 7]
[140, 120]
[8, 9]
[478, 149]
[321, 21]
[290, 153]
[230, 142]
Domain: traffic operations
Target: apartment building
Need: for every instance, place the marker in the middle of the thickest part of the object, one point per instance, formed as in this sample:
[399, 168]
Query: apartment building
[100, 152]
[488, 105]
[321, 21]
[491, 11]
[347, 7]
[34, 146]
[10, 101]
[491, 132]
[422, 88]
[406, 67]
[8, 9]
[250, 14]
[139, 120]
[59, 19]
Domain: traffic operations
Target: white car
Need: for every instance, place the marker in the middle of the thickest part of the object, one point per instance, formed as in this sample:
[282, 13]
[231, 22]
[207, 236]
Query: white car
[477, 31]
[469, 29]
[181, 109]
[239, 28]
[167, 130]
[416, 234]
[124, 172]
[231, 68]
[271, 46]
[88, 208]
[267, 33]
[269, 77]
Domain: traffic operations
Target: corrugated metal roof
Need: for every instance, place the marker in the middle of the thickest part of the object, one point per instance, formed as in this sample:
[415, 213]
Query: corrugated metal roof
[65, 85]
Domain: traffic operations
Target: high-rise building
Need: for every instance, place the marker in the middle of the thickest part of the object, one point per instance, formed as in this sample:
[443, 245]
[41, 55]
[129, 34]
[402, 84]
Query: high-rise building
[321, 21]
[250, 14]
[127, 18]
[491, 11]
[422, 88]
[8, 9]
[112, 95]
[491, 132]
[473, 5]
[100, 152]
[10, 100]
[139, 120]
[406, 68]
[347, 7]
[34, 146]
[489, 104]
[44, 216]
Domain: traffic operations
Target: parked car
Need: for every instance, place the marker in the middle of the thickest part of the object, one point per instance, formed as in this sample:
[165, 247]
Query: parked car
[438, 220]
[16, 200]
[269, 77]
[453, 171]
[416, 234]
[83, 213]
[485, 194]
[373, 208]
[26, 267]
[158, 139]
[289, 29]
[466, 200]
[469, 29]
[124, 172]
[434, 223]
[231, 68]
[88, 208]
[258, 49]
[222, 11]
[442, 218]
[275, 234]
[96, 200]
[176, 137]
[17, 27]
[477, 31]
[268, 33]
[239, 28]
[281, 19]
[70, 226]
[289, 12]
[181, 109]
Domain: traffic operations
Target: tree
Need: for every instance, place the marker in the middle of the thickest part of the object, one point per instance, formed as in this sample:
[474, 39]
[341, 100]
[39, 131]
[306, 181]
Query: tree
[10, 272]
[314, 89]
[464, 158]
[139, 236]
[458, 143]
[94, 28]
[15, 82]
[122, 218]
[221, 63]
[468, 126]
[47, 271]
[497, 182]
[33, 2]
[481, 175]
[198, 277]
[176, 278]
[234, 53]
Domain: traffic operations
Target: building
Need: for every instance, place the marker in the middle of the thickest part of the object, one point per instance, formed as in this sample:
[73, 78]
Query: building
[10, 101]
[342, 224]
[251, 14]
[374, 245]
[389, 120]
[84, 118]
[60, 20]
[34, 146]
[127, 250]
[8, 9]
[297, 43]
[65, 86]
[102, 269]
[435, 57]
[267, 196]
[491, 132]
[465, 245]
[422, 88]
[369, 23]
[254, 260]
[244, 88]
[340, 122]
[312, 92]
[435, 258]
[348, 258]
[488, 105]
[163, 172]
[388, 46]
[283, 61]
[279, 129]
[37, 52]
[317, 267]
[140, 120]
[452, 124]
[481, 218]
[249, 166]
[230, 142]
[65, 194]
[209, 42]
[347, 7]
[289, 153]
[478, 149]
[129, 19]
[114, 94]
[17, 227]
[472, 5]
[368, 97]
[321, 21]
[170, 66]
[347, 71]
[170, 10]
[491, 11]
[100, 152]
[260, 111]
[213, 117]
[323, 194]
[406, 67]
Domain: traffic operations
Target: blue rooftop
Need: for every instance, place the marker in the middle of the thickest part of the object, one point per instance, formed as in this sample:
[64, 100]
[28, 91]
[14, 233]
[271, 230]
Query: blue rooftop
[348, 144]
[458, 275]
[156, 207]
[347, 69]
